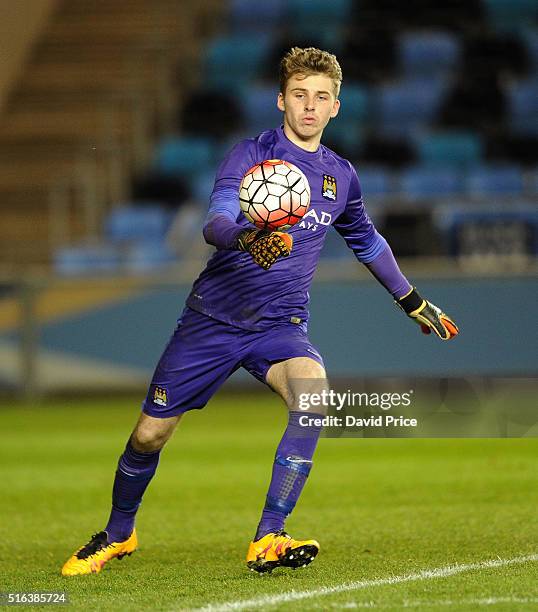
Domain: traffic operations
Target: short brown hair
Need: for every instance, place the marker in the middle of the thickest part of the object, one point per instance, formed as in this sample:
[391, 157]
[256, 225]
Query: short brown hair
[310, 61]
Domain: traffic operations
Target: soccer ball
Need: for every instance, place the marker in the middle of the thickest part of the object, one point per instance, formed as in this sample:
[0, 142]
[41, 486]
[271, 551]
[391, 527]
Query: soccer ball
[274, 194]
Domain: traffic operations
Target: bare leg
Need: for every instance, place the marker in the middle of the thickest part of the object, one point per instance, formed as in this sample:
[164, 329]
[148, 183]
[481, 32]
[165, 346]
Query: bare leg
[295, 376]
[151, 434]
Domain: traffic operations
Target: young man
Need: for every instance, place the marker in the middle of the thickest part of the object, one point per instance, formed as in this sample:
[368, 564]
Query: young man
[248, 308]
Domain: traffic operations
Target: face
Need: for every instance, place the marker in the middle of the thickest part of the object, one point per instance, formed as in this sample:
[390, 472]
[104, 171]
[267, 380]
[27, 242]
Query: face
[308, 104]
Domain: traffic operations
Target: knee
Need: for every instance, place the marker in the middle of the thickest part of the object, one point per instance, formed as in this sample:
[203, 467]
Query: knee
[295, 377]
[146, 441]
[149, 437]
[306, 389]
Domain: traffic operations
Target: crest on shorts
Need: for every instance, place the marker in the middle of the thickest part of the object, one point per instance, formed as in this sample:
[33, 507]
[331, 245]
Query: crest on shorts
[328, 191]
[160, 396]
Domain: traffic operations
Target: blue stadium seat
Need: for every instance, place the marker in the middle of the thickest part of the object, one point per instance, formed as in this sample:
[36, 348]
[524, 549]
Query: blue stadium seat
[376, 182]
[185, 235]
[426, 183]
[450, 148]
[487, 181]
[148, 257]
[237, 57]
[259, 108]
[137, 223]
[330, 37]
[530, 39]
[401, 108]
[202, 185]
[320, 12]
[511, 15]
[355, 102]
[335, 246]
[87, 260]
[533, 182]
[345, 132]
[184, 156]
[265, 15]
[345, 137]
[523, 106]
[428, 53]
[225, 146]
[319, 21]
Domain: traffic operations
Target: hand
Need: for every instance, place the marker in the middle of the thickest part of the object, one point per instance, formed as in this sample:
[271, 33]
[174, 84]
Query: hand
[428, 316]
[265, 247]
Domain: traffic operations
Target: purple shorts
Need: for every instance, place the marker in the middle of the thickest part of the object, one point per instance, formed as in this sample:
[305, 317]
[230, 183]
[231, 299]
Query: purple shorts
[204, 352]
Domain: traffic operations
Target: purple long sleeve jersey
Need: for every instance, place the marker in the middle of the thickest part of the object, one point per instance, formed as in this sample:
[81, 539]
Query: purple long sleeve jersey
[234, 289]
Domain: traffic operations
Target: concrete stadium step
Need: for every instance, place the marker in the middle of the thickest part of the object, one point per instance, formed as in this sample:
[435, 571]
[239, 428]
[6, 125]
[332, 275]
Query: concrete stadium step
[34, 148]
[66, 51]
[23, 234]
[75, 99]
[79, 94]
[132, 30]
[26, 225]
[34, 174]
[124, 73]
[83, 123]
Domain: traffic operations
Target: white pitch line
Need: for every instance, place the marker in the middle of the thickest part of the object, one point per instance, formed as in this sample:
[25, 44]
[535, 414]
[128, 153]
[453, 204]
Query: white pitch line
[430, 603]
[484, 601]
[440, 572]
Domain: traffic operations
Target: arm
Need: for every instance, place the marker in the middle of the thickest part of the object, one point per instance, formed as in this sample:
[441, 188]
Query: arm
[385, 269]
[373, 250]
[221, 231]
[221, 228]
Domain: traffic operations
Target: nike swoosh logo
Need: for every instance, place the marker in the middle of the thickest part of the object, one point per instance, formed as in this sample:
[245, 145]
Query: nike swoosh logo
[298, 460]
[127, 473]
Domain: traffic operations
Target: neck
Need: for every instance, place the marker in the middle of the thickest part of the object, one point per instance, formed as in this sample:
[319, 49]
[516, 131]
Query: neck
[310, 144]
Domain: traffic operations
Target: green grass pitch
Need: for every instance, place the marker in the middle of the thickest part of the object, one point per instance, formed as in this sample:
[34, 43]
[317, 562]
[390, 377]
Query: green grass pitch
[380, 509]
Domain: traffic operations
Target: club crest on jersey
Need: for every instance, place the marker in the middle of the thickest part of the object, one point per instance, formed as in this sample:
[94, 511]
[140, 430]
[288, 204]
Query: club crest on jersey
[328, 191]
[160, 396]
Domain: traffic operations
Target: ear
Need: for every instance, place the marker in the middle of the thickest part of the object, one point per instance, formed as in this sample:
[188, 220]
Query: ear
[336, 108]
[280, 102]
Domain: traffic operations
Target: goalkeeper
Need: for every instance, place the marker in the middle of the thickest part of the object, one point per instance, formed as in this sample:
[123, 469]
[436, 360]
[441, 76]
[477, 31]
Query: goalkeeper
[249, 308]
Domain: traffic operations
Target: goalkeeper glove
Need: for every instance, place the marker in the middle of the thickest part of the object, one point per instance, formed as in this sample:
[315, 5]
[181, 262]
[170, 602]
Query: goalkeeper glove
[429, 317]
[264, 247]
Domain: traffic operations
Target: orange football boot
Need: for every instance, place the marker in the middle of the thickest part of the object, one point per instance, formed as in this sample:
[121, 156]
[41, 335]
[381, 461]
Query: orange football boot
[280, 550]
[89, 559]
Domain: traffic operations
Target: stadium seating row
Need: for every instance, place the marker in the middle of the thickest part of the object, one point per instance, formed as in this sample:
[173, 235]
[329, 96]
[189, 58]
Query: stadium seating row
[103, 258]
[458, 155]
[394, 108]
[135, 237]
[308, 14]
[432, 183]
[438, 85]
[135, 240]
[418, 52]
